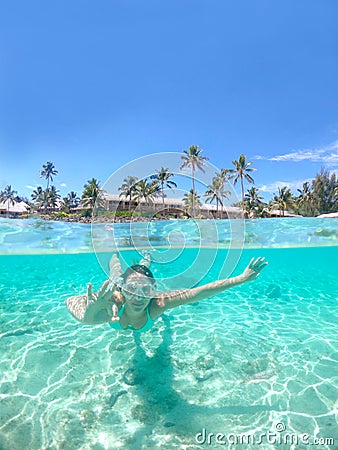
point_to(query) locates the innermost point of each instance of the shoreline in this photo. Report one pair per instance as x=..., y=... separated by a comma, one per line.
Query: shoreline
x=111, y=220
x=126, y=219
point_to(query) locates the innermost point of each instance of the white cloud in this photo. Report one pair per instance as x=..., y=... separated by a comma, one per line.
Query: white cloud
x=63, y=185
x=273, y=187
x=326, y=155
x=28, y=186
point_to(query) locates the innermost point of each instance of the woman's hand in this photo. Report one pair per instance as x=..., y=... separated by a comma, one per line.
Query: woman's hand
x=253, y=270
x=101, y=302
x=103, y=296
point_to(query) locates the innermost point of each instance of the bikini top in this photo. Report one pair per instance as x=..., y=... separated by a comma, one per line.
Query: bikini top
x=146, y=327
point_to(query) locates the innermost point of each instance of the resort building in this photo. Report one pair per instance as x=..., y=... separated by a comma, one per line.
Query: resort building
x=8, y=208
x=280, y=213
x=172, y=206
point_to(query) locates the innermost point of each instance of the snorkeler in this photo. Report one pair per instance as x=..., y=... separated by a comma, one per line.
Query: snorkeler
x=129, y=300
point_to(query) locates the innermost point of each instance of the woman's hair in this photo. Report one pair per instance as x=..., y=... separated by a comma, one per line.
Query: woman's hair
x=138, y=268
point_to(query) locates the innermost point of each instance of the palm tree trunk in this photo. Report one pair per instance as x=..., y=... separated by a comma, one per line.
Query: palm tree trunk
x=242, y=184
x=162, y=186
x=193, y=190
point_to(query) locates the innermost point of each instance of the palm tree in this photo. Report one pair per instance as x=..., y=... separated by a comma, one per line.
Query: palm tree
x=304, y=200
x=283, y=200
x=216, y=192
x=48, y=170
x=146, y=191
x=241, y=172
x=128, y=188
x=8, y=195
x=224, y=177
x=191, y=200
x=92, y=194
x=224, y=174
x=252, y=196
x=38, y=197
x=193, y=158
x=52, y=197
x=162, y=178
x=253, y=204
x=72, y=199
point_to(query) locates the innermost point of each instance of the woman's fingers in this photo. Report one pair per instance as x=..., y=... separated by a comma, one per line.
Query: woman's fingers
x=103, y=289
x=259, y=264
x=89, y=291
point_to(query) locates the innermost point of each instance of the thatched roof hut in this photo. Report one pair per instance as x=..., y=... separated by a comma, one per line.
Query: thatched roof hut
x=7, y=207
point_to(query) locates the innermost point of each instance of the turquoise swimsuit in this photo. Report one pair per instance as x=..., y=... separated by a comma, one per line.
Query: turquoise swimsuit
x=149, y=323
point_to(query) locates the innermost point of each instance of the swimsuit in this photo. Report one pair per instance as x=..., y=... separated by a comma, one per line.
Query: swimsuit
x=149, y=323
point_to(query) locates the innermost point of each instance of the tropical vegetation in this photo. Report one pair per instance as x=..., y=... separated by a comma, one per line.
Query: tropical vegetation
x=146, y=191
x=216, y=191
x=128, y=188
x=241, y=172
x=92, y=196
x=192, y=202
x=162, y=178
x=193, y=159
x=315, y=197
x=9, y=196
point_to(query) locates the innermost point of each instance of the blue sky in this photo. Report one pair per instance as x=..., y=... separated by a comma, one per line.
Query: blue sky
x=92, y=85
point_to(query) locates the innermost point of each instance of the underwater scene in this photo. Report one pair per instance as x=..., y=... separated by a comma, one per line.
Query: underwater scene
x=253, y=367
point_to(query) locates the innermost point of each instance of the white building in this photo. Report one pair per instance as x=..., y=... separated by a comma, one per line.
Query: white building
x=15, y=209
x=173, y=206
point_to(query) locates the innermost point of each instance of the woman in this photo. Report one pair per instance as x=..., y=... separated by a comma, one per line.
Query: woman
x=130, y=300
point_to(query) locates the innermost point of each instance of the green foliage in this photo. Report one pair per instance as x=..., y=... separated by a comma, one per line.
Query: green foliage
x=8, y=194
x=319, y=197
x=128, y=188
x=48, y=170
x=162, y=179
x=146, y=191
x=61, y=215
x=192, y=202
x=253, y=205
x=324, y=187
x=216, y=191
x=283, y=201
x=241, y=172
x=92, y=194
x=193, y=158
x=86, y=213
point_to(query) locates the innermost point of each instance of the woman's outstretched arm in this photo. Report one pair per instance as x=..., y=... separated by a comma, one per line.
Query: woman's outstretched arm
x=171, y=299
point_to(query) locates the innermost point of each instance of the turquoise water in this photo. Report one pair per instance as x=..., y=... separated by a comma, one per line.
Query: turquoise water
x=39, y=236
x=245, y=361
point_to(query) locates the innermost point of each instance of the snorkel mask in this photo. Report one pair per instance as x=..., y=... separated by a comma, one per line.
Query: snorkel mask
x=140, y=288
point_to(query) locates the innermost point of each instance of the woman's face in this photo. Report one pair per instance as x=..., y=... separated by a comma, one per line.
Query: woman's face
x=138, y=289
